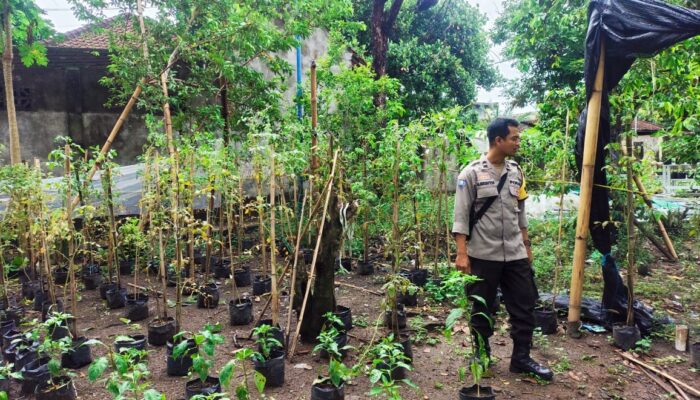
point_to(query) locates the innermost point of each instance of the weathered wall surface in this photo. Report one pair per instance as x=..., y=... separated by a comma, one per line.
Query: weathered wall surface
x=66, y=99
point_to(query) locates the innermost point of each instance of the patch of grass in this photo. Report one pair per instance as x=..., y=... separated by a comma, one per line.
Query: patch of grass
x=562, y=365
x=642, y=346
x=669, y=360
x=540, y=341
x=360, y=321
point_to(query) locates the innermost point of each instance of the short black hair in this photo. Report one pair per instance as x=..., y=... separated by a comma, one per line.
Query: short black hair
x=499, y=127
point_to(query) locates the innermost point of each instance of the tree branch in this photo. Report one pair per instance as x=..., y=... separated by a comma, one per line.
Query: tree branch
x=390, y=17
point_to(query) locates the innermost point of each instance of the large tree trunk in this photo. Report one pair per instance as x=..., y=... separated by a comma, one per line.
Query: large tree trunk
x=381, y=24
x=13, y=131
x=322, y=298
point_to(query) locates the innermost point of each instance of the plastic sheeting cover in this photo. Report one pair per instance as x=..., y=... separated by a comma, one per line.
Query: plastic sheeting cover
x=630, y=29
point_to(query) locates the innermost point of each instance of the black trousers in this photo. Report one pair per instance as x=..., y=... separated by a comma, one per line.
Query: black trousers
x=517, y=282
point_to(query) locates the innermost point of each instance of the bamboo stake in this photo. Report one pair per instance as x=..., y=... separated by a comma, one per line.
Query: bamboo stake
x=113, y=134
x=314, y=119
x=71, y=268
x=210, y=230
x=358, y=288
x=269, y=300
x=241, y=201
x=292, y=285
x=419, y=250
x=687, y=388
x=438, y=216
x=144, y=289
x=584, y=211
x=112, y=225
x=680, y=391
x=232, y=265
x=130, y=105
x=647, y=200
x=161, y=246
x=665, y=386
x=46, y=254
x=448, y=232
x=649, y=235
x=273, y=240
x=176, y=234
x=561, y=214
x=190, y=232
x=310, y=281
x=630, y=236
x=261, y=218
x=395, y=207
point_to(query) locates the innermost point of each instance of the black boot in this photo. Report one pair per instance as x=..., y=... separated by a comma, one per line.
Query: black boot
x=521, y=362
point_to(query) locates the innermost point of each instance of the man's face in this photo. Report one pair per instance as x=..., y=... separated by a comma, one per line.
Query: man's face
x=511, y=144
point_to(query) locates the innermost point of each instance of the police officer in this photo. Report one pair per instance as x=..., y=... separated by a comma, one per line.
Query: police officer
x=489, y=215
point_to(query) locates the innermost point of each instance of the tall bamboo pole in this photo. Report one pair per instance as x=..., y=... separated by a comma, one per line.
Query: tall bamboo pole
x=161, y=245
x=71, y=247
x=113, y=134
x=631, y=236
x=261, y=217
x=45, y=251
x=395, y=207
x=241, y=205
x=273, y=244
x=314, y=119
x=292, y=285
x=190, y=204
x=112, y=224
x=584, y=211
x=438, y=217
x=560, y=233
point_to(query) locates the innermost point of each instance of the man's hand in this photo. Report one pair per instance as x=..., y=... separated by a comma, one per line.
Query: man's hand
x=462, y=263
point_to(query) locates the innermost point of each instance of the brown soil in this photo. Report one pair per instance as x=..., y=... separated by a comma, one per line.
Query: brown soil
x=595, y=370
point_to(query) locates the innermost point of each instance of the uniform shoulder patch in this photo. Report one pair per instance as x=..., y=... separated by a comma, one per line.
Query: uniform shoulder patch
x=461, y=183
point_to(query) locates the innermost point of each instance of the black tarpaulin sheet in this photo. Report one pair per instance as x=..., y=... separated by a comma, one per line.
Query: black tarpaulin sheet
x=629, y=29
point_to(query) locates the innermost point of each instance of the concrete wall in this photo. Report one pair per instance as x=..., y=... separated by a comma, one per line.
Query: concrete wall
x=66, y=99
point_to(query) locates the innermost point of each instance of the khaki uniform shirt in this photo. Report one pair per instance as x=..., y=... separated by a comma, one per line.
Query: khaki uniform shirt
x=497, y=236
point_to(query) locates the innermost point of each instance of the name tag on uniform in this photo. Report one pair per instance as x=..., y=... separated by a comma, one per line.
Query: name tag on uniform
x=484, y=178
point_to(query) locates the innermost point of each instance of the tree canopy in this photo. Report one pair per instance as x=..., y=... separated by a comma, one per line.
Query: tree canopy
x=437, y=50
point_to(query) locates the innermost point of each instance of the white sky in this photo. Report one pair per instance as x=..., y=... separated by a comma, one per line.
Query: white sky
x=59, y=12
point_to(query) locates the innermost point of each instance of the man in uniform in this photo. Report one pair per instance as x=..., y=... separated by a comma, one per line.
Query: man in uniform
x=489, y=214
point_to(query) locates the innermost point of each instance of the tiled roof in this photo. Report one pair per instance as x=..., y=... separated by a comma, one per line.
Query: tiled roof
x=645, y=126
x=94, y=36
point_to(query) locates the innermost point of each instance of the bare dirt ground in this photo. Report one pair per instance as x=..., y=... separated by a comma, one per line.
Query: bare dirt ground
x=589, y=367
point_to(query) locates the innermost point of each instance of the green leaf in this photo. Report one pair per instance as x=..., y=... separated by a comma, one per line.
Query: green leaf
x=152, y=394
x=97, y=368
x=375, y=376
x=54, y=367
x=226, y=373
x=242, y=392
x=179, y=349
x=260, y=381
x=375, y=391
x=452, y=318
